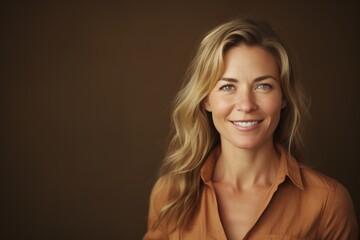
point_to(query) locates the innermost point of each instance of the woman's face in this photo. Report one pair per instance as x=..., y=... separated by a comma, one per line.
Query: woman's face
x=247, y=100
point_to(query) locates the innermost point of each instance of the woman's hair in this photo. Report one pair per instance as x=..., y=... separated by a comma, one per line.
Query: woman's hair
x=194, y=135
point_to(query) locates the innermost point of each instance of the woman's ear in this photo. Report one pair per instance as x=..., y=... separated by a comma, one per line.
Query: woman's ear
x=207, y=104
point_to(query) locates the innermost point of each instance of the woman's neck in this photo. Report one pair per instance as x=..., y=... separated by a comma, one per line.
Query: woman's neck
x=244, y=169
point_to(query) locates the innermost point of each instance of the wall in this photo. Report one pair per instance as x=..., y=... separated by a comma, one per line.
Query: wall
x=86, y=90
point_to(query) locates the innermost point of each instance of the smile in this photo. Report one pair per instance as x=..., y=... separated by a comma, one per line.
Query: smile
x=246, y=124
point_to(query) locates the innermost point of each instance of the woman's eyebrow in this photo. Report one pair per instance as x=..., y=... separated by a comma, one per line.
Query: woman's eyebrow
x=233, y=80
x=264, y=77
x=258, y=79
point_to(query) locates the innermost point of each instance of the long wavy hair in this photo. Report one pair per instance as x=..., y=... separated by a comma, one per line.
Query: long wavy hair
x=193, y=135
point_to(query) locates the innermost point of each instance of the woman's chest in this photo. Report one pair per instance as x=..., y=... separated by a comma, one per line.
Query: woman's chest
x=239, y=211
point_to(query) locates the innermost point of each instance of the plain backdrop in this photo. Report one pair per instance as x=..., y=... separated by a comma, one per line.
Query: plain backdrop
x=85, y=93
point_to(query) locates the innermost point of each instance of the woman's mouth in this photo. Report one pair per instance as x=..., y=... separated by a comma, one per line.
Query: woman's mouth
x=246, y=124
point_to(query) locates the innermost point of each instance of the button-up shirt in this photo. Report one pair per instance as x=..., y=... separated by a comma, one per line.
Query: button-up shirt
x=301, y=204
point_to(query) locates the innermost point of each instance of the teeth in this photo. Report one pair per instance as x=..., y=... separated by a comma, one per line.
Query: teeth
x=246, y=124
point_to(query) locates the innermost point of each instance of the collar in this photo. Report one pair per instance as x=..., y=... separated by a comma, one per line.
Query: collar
x=288, y=167
x=209, y=165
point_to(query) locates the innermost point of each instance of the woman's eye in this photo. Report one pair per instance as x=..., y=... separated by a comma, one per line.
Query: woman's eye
x=264, y=86
x=227, y=88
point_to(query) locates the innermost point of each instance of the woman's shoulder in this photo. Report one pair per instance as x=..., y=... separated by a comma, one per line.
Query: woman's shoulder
x=321, y=186
x=314, y=179
x=160, y=192
x=158, y=198
x=162, y=184
x=338, y=213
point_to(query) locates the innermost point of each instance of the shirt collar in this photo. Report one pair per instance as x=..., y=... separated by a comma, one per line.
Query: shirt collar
x=288, y=167
x=208, y=167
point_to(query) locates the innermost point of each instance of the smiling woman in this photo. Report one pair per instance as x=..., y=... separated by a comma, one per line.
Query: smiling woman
x=247, y=100
x=232, y=170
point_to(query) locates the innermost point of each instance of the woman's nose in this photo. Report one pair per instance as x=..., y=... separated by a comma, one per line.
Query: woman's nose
x=245, y=101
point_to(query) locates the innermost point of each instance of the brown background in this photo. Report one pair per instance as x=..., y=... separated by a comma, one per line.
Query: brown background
x=85, y=96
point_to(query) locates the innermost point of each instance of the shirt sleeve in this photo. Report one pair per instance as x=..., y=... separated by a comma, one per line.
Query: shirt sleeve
x=339, y=216
x=158, y=198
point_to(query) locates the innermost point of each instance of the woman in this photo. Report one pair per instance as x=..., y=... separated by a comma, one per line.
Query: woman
x=230, y=171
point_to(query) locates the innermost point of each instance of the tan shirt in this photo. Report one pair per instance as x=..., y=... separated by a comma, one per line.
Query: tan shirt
x=301, y=204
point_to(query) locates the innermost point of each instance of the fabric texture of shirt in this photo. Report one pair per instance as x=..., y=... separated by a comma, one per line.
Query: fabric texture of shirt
x=301, y=204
